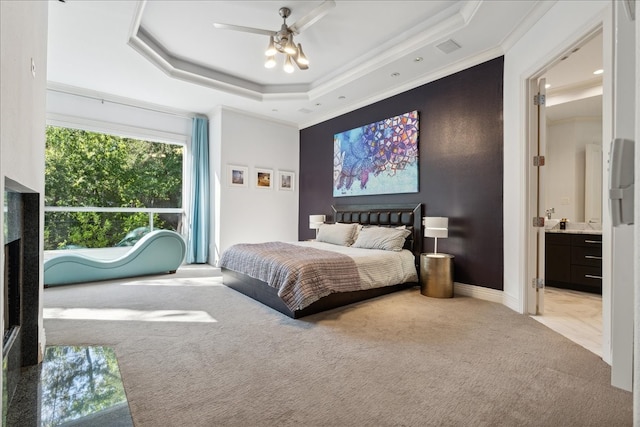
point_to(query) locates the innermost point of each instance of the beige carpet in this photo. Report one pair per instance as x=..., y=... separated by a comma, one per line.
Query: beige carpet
x=195, y=353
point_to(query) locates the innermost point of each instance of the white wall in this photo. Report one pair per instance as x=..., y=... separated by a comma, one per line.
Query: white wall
x=565, y=163
x=251, y=214
x=23, y=36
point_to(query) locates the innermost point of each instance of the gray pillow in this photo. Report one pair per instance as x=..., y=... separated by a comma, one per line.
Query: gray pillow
x=388, y=239
x=337, y=234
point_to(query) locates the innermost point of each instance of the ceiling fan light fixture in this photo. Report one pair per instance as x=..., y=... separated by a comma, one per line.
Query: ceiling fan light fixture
x=290, y=47
x=281, y=41
x=301, y=57
x=288, y=65
x=271, y=62
x=271, y=49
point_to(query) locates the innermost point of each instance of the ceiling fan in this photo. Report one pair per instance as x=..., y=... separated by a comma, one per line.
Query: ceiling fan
x=281, y=41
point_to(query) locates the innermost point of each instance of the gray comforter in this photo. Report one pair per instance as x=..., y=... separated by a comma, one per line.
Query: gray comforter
x=302, y=275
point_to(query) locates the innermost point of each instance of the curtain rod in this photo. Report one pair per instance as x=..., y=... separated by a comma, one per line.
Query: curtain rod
x=155, y=110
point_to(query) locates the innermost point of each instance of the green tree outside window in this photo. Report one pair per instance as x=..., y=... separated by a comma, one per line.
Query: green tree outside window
x=85, y=168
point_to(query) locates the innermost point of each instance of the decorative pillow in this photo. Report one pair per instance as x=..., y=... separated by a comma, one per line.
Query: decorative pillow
x=388, y=239
x=355, y=233
x=337, y=234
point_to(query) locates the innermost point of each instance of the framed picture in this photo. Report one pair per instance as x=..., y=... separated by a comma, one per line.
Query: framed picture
x=264, y=178
x=378, y=158
x=286, y=180
x=238, y=176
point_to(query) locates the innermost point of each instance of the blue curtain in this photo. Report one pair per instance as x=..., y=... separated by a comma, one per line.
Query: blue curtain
x=198, y=247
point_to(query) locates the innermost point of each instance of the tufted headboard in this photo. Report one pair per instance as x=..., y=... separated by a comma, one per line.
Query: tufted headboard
x=409, y=215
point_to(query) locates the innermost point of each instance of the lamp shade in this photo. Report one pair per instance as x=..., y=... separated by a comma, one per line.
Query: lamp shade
x=436, y=226
x=315, y=221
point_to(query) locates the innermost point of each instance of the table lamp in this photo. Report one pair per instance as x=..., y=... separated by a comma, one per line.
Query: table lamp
x=436, y=226
x=315, y=221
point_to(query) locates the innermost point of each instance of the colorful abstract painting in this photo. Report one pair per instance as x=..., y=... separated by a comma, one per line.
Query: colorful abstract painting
x=379, y=158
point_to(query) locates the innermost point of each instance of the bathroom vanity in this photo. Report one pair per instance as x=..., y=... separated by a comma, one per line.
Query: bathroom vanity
x=573, y=260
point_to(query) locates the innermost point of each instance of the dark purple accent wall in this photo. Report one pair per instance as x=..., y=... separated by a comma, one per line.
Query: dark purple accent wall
x=460, y=170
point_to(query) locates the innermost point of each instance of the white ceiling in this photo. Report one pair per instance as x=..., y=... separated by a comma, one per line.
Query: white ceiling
x=168, y=54
x=574, y=90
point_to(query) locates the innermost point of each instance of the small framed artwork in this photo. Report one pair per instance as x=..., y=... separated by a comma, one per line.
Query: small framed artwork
x=286, y=180
x=238, y=176
x=264, y=178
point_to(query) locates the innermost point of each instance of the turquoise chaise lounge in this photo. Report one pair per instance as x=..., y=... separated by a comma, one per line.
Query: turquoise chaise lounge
x=160, y=251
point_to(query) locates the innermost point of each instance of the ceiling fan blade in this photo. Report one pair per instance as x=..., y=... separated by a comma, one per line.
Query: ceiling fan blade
x=312, y=17
x=244, y=29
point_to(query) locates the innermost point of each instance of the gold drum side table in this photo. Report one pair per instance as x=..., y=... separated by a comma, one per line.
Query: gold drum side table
x=436, y=275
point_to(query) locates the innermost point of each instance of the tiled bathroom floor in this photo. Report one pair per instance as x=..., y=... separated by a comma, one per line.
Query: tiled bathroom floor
x=575, y=315
x=74, y=386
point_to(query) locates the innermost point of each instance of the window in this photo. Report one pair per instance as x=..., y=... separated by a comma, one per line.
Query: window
x=103, y=190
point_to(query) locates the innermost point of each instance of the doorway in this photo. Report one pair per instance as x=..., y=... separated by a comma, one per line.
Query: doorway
x=570, y=186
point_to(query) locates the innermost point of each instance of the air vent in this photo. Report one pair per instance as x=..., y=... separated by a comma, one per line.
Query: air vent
x=305, y=110
x=448, y=46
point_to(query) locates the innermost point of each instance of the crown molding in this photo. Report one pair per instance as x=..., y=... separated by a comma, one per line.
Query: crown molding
x=436, y=28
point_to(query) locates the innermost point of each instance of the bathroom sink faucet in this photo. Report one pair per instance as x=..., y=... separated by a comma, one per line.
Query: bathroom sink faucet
x=549, y=212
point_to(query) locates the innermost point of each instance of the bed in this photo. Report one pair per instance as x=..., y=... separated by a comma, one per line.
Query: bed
x=245, y=271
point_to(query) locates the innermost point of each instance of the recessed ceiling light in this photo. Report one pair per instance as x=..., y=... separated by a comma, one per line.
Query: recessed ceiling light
x=342, y=97
x=418, y=59
x=547, y=86
x=596, y=72
x=318, y=104
x=275, y=110
x=395, y=75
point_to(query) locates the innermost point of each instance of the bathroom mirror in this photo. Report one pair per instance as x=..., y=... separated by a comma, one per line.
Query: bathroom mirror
x=574, y=160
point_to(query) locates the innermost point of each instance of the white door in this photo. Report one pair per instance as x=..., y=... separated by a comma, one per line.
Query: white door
x=537, y=150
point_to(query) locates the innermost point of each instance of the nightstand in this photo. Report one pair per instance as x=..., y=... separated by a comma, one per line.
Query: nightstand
x=436, y=275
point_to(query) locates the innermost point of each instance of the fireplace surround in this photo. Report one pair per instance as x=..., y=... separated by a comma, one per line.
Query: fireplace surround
x=21, y=285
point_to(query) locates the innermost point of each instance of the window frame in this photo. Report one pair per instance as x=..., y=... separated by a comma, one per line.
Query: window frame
x=151, y=135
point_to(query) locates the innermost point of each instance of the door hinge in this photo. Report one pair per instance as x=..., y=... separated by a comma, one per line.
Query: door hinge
x=539, y=99
x=538, y=160
x=538, y=221
x=537, y=283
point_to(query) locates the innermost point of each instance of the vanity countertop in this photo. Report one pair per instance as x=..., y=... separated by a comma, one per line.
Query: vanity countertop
x=574, y=231
x=553, y=226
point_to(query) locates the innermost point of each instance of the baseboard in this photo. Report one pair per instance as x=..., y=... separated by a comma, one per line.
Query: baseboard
x=479, y=292
x=512, y=302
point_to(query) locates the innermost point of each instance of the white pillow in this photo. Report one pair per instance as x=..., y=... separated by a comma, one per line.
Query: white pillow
x=337, y=234
x=355, y=233
x=388, y=239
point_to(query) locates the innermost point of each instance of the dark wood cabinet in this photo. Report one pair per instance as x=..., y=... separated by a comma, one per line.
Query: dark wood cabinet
x=574, y=261
x=557, y=259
